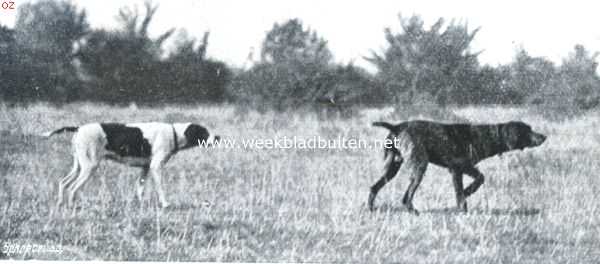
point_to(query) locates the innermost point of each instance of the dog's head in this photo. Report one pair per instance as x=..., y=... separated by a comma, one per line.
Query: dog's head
x=519, y=135
x=197, y=135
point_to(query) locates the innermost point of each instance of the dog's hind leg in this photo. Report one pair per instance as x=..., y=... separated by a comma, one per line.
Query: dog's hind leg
x=392, y=164
x=416, y=161
x=67, y=180
x=88, y=166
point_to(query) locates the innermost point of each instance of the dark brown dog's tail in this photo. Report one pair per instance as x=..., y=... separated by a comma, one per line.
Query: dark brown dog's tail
x=385, y=124
x=60, y=130
x=393, y=129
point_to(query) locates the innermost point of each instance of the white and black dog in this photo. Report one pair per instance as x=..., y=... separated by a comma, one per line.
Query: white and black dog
x=145, y=145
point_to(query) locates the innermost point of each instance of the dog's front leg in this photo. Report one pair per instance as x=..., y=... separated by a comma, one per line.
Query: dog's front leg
x=155, y=169
x=457, y=180
x=477, y=181
x=141, y=183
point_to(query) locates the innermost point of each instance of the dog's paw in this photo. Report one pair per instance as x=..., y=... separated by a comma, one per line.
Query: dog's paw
x=166, y=205
x=462, y=208
x=371, y=202
x=413, y=211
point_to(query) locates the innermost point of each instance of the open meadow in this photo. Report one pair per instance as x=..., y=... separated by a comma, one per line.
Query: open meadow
x=301, y=205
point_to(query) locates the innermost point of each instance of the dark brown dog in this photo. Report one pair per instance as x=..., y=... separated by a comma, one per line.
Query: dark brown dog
x=458, y=147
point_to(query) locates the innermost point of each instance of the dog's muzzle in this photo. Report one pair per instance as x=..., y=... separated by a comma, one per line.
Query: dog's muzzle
x=213, y=139
x=537, y=139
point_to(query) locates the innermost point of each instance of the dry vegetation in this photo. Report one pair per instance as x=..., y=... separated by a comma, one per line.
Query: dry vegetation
x=250, y=205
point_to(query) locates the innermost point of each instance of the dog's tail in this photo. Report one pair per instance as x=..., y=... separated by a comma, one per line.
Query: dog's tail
x=393, y=129
x=60, y=130
x=385, y=124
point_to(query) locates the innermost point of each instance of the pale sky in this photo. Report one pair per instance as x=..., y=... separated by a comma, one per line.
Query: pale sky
x=353, y=28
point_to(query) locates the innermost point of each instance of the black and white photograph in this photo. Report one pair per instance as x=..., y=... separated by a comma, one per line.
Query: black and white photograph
x=231, y=131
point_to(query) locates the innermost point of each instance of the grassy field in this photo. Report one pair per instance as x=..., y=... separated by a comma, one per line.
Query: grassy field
x=298, y=205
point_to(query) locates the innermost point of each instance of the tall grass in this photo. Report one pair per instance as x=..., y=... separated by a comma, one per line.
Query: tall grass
x=300, y=205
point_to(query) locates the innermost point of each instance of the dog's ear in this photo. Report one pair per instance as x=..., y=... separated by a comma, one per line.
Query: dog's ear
x=516, y=135
x=510, y=135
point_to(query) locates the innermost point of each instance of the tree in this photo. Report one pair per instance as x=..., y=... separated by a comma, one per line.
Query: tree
x=47, y=34
x=127, y=65
x=295, y=69
x=51, y=28
x=435, y=61
x=579, y=78
x=124, y=65
x=291, y=43
x=8, y=92
x=529, y=77
x=191, y=75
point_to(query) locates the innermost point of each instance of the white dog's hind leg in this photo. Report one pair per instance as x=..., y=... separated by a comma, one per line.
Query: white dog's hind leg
x=67, y=180
x=88, y=165
x=84, y=175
